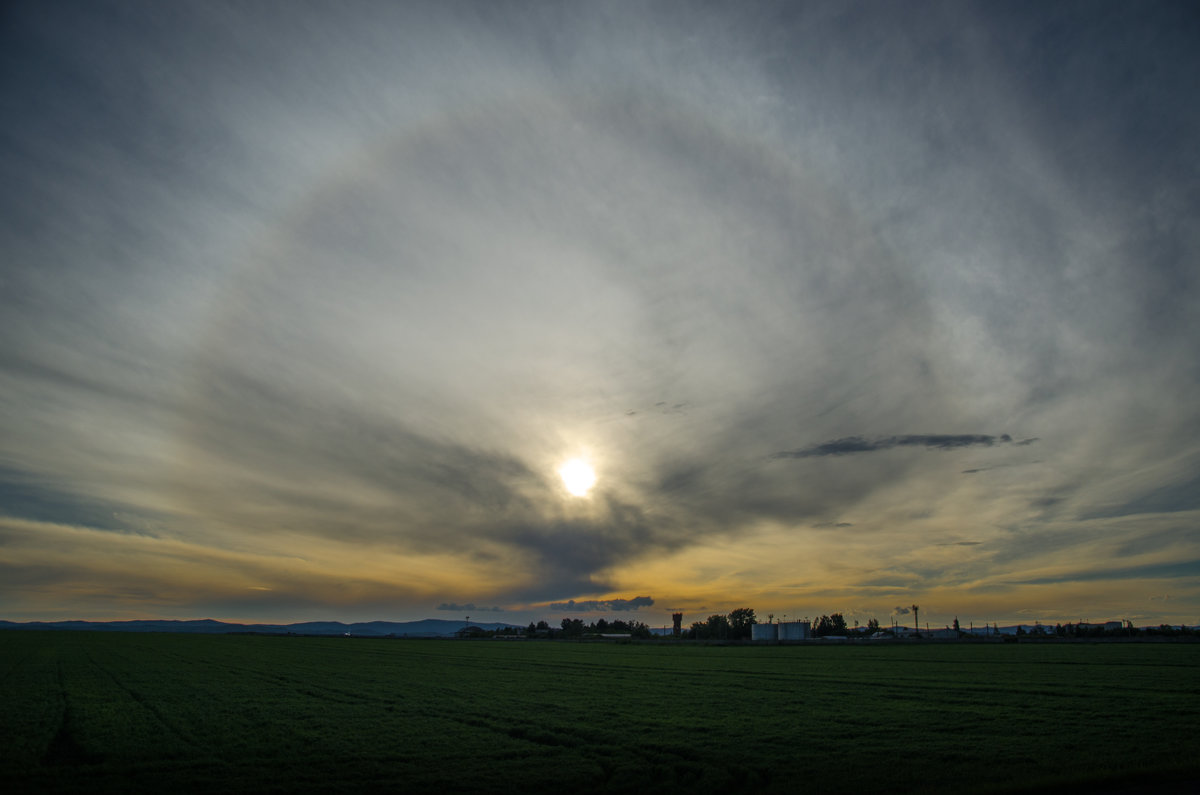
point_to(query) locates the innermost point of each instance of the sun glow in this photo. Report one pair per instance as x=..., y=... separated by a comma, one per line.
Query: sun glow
x=578, y=476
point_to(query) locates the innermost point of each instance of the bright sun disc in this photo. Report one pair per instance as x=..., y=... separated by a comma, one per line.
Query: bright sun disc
x=577, y=476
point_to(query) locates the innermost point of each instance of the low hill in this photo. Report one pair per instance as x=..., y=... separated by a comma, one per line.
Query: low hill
x=425, y=628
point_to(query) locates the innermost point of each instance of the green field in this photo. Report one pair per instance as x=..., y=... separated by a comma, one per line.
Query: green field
x=119, y=712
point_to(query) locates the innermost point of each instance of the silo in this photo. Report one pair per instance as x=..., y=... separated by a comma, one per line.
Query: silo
x=794, y=630
x=764, y=632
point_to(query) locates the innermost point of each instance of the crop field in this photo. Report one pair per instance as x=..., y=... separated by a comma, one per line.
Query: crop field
x=107, y=712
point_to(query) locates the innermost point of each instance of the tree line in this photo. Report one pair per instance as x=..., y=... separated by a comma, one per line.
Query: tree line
x=570, y=628
x=737, y=625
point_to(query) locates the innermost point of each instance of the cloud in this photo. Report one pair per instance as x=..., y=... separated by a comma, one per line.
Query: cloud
x=261, y=299
x=858, y=444
x=593, y=605
x=1174, y=497
x=468, y=608
x=1154, y=571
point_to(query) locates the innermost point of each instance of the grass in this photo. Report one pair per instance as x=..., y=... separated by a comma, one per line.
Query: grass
x=96, y=712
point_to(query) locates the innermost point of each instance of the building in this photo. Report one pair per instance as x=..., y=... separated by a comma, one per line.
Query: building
x=764, y=632
x=794, y=630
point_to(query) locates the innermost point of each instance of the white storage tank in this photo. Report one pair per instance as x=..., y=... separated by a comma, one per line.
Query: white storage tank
x=795, y=630
x=764, y=632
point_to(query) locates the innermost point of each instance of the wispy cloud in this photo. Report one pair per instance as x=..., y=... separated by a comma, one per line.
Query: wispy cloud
x=1152, y=571
x=857, y=444
x=600, y=605
x=469, y=607
x=318, y=303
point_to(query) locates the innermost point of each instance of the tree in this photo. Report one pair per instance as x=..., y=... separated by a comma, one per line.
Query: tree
x=917, y=619
x=873, y=625
x=716, y=627
x=829, y=625
x=740, y=621
x=822, y=627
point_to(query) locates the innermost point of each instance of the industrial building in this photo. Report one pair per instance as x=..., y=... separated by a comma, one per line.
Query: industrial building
x=784, y=630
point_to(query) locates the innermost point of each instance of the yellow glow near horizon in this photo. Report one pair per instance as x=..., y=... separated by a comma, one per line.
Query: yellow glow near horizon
x=578, y=476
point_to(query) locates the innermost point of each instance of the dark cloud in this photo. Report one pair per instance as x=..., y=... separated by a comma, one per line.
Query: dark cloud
x=593, y=605
x=24, y=495
x=858, y=444
x=1154, y=571
x=1170, y=498
x=468, y=608
x=568, y=556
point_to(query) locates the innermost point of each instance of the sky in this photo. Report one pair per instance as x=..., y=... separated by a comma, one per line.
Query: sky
x=848, y=307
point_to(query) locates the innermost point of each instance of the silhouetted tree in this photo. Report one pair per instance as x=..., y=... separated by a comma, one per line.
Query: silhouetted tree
x=716, y=627
x=917, y=619
x=639, y=630
x=740, y=621
x=829, y=625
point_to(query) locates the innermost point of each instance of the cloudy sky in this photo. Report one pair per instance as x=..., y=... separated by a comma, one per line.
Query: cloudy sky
x=848, y=307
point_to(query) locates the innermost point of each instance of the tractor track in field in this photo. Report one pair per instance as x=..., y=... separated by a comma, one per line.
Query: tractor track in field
x=9, y=670
x=145, y=703
x=305, y=687
x=64, y=748
x=594, y=746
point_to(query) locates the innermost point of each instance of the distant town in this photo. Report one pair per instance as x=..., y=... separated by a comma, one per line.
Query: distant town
x=743, y=625
x=738, y=626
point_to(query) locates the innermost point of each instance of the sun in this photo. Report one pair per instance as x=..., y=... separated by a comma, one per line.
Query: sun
x=578, y=476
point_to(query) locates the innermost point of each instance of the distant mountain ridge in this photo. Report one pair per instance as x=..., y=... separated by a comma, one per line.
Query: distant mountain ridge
x=425, y=628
